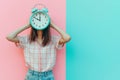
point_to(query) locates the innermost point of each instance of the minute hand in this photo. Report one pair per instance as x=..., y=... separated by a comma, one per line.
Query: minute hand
x=36, y=18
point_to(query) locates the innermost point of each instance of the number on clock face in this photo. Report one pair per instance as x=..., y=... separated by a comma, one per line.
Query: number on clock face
x=40, y=20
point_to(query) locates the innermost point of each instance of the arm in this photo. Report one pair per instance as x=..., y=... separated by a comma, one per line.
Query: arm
x=64, y=36
x=13, y=35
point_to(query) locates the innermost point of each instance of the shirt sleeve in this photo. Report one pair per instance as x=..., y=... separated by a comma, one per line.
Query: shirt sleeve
x=23, y=40
x=55, y=40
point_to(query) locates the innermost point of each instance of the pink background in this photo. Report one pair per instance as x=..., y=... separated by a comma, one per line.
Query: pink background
x=14, y=14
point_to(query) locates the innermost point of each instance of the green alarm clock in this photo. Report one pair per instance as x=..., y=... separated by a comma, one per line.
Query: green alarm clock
x=39, y=19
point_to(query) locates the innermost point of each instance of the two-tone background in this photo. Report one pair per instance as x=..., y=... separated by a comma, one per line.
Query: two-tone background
x=93, y=52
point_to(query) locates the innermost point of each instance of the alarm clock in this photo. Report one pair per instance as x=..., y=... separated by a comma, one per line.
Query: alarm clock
x=39, y=19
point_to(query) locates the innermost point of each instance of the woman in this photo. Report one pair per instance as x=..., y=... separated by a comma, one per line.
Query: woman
x=39, y=50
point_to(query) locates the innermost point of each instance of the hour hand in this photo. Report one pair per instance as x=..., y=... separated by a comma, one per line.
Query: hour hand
x=39, y=18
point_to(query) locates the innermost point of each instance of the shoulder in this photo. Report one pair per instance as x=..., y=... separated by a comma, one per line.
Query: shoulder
x=56, y=41
x=24, y=38
x=23, y=41
x=55, y=37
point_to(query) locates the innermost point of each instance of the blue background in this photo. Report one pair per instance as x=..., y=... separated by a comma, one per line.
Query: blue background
x=94, y=50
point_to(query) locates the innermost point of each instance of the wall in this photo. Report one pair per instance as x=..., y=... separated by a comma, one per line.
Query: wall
x=14, y=14
x=94, y=51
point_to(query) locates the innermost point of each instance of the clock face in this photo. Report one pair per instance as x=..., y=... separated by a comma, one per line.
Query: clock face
x=39, y=20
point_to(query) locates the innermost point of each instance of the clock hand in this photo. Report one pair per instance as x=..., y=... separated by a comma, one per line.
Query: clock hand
x=39, y=18
x=36, y=18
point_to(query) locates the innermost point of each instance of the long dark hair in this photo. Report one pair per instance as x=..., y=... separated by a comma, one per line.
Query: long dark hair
x=46, y=36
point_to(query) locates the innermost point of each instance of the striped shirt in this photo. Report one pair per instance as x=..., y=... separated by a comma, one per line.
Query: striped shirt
x=36, y=56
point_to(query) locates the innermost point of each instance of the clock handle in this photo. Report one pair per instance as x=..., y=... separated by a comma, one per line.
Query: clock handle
x=39, y=4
